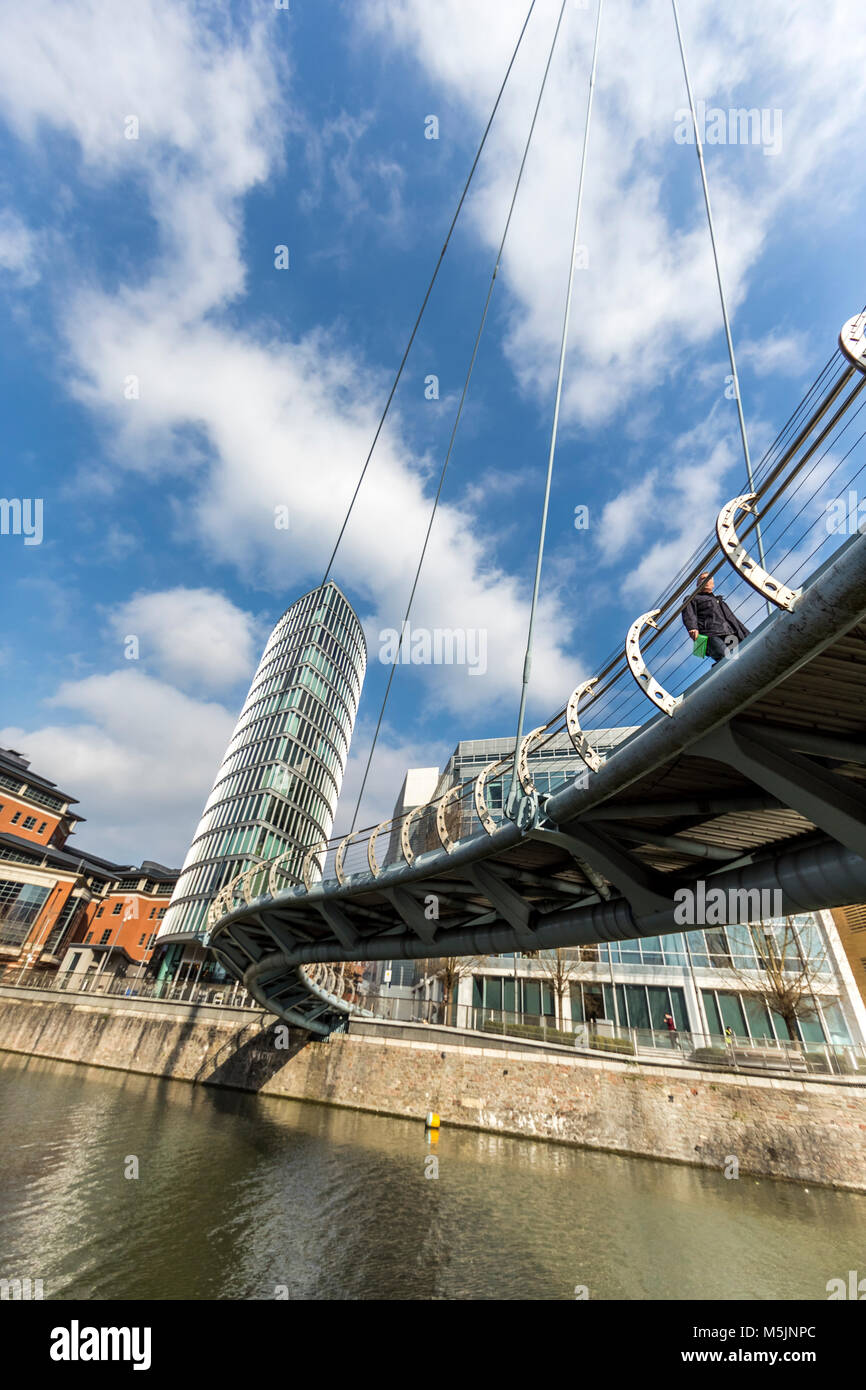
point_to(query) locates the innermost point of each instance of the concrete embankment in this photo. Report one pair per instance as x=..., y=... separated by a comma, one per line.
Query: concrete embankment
x=809, y=1130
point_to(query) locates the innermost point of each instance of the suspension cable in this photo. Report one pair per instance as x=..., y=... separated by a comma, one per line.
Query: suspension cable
x=736, y=380
x=459, y=413
x=527, y=661
x=433, y=278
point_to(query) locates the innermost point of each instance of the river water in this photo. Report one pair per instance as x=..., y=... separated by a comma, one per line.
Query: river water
x=246, y=1197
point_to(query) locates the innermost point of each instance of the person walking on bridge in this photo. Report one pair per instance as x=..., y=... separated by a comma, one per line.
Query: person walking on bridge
x=706, y=614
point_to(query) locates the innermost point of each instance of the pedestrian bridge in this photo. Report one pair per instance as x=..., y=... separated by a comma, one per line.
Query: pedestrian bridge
x=748, y=780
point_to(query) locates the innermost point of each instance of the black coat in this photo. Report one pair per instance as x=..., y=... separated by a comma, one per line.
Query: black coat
x=709, y=614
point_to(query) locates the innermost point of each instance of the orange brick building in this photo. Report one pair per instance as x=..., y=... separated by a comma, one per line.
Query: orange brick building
x=54, y=896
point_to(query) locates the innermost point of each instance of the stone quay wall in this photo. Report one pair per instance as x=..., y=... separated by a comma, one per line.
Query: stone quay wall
x=807, y=1130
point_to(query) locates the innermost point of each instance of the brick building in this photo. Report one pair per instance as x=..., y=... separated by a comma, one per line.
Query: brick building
x=54, y=896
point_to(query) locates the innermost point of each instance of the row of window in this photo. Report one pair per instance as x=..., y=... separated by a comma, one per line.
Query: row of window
x=229, y=856
x=346, y=677
x=338, y=614
x=244, y=839
x=106, y=937
x=132, y=885
x=276, y=756
x=335, y=613
x=28, y=822
x=268, y=678
x=722, y=948
x=332, y=647
x=331, y=667
x=54, y=803
x=118, y=908
x=307, y=704
x=742, y=1015
x=271, y=809
x=276, y=775
x=289, y=722
x=14, y=784
x=303, y=675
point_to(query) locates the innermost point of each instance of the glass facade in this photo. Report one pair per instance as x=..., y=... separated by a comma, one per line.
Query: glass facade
x=277, y=788
x=710, y=980
x=20, y=905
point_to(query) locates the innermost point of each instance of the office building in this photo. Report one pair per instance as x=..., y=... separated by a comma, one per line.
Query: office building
x=276, y=790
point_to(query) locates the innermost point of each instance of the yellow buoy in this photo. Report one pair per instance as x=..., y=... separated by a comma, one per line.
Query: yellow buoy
x=432, y=1121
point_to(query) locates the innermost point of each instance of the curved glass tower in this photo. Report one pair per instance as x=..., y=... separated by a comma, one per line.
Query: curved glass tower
x=277, y=788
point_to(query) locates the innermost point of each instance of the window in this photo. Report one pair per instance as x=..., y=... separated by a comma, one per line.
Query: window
x=41, y=830
x=105, y=935
x=757, y=1016
x=16, y=818
x=141, y=938
x=836, y=1024
x=732, y=1014
x=162, y=912
x=88, y=937
x=717, y=948
x=638, y=1008
x=100, y=910
x=152, y=911
x=116, y=910
x=28, y=822
x=20, y=905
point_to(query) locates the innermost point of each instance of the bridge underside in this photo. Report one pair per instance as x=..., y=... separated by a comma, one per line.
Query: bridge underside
x=757, y=782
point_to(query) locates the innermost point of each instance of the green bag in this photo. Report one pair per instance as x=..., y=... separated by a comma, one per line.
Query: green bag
x=700, y=647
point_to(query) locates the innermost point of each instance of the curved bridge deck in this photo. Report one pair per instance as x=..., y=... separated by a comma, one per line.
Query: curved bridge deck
x=754, y=783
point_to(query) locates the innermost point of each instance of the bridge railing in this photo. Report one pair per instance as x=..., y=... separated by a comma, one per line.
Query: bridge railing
x=806, y=501
x=229, y=993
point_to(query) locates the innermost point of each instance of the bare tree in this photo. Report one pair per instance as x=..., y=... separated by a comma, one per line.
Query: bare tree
x=785, y=975
x=561, y=967
x=449, y=971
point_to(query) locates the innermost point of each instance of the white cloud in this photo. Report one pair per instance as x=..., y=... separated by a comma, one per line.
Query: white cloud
x=784, y=354
x=18, y=249
x=664, y=516
x=647, y=306
x=276, y=422
x=140, y=760
x=288, y=420
x=194, y=638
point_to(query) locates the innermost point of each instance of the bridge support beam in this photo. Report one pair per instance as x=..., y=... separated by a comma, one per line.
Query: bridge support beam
x=643, y=888
x=339, y=924
x=510, y=905
x=412, y=913
x=831, y=802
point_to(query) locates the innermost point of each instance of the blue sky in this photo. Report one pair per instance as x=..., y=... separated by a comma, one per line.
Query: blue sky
x=153, y=258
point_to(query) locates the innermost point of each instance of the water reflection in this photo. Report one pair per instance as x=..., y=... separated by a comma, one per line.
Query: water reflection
x=239, y=1194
